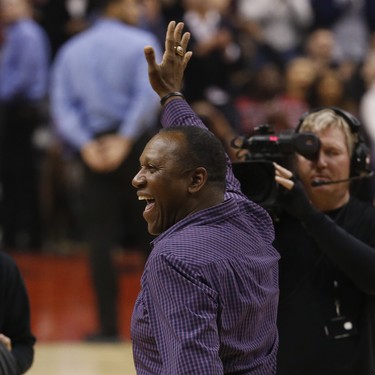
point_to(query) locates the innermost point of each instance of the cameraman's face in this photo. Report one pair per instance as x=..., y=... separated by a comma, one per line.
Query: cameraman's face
x=332, y=164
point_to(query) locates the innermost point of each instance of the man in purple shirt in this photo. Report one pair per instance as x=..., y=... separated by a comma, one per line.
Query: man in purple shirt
x=209, y=292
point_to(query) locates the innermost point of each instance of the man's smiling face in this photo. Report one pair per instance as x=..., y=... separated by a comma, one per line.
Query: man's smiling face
x=163, y=182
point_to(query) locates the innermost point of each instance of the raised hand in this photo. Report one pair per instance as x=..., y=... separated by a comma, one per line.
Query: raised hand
x=167, y=76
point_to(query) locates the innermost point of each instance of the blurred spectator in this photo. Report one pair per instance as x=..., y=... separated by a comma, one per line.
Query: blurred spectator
x=15, y=331
x=172, y=10
x=24, y=69
x=219, y=125
x=255, y=104
x=300, y=74
x=61, y=180
x=371, y=45
x=153, y=19
x=279, y=27
x=352, y=35
x=370, y=15
x=319, y=48
x=63, y=19
x=104, y=108
x=367, y=104
x=347, y=20
x=216, y=55
x=225, y=7
x=275, y=102
x=328, y=90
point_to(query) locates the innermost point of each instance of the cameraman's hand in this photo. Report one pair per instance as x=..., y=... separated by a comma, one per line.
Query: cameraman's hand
x=283, y=176
x=292, y=196
x=167, y=77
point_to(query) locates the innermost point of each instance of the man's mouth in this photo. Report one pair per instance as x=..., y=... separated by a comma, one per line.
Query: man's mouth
x=149, y=200
x=319, y=179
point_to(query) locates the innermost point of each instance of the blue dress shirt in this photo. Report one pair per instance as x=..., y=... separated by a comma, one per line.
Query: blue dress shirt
x=100, y=83
x=24, y=62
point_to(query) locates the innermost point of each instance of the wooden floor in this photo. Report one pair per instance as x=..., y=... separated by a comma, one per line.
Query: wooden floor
x=82, y=359
x=63, y=312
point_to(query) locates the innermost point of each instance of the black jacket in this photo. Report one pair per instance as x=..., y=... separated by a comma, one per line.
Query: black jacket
x=15, y=313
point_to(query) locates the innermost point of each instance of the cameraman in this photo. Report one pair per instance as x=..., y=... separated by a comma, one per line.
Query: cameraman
x=326, y=240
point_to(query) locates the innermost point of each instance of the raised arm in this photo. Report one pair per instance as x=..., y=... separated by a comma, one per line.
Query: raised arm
x=166, y=79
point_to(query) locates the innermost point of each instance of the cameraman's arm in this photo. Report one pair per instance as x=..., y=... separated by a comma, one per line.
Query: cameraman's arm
x=355, y=258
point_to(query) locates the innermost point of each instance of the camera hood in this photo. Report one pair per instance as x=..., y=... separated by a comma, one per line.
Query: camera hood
x=257, y=179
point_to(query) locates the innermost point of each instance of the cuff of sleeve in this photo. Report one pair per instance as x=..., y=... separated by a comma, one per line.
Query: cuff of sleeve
x=177, y=113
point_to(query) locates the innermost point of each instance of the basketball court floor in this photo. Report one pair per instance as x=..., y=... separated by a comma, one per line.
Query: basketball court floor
x=63, y=312
x=64, y=358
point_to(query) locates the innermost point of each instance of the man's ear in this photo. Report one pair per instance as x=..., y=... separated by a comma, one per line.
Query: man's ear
x=198, y=179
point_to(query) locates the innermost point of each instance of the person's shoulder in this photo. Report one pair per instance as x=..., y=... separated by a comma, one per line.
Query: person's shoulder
x=362, y=213
x=10, y=273
x=30, y=28
x=115, y=33
x=360, y=220
x=361, y=205
x=209, y=241
x=74, y=46
x=7, y=262
x=258, y=218
x=191, y=243
x=140, y=35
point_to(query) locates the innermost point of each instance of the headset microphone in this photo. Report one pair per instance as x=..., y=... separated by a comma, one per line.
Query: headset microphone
x=316, y=183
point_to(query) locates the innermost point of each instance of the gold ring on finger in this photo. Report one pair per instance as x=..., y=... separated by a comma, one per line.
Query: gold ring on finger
x=179, y=51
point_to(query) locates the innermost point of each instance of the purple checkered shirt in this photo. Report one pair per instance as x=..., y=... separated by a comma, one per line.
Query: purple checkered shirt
x=209, y=291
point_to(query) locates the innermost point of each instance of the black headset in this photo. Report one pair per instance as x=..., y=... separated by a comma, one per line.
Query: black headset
x=361, y=151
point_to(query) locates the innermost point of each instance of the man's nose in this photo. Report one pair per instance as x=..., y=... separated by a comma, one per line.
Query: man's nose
x=322, y=159
x=139, y=180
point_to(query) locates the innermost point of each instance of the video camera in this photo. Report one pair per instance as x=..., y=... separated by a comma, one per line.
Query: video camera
x=257, y=173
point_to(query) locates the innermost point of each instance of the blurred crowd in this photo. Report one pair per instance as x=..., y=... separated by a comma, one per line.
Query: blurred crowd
x=254, y=62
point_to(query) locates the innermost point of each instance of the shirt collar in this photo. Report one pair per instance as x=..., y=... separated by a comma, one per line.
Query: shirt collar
x=206, y=216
